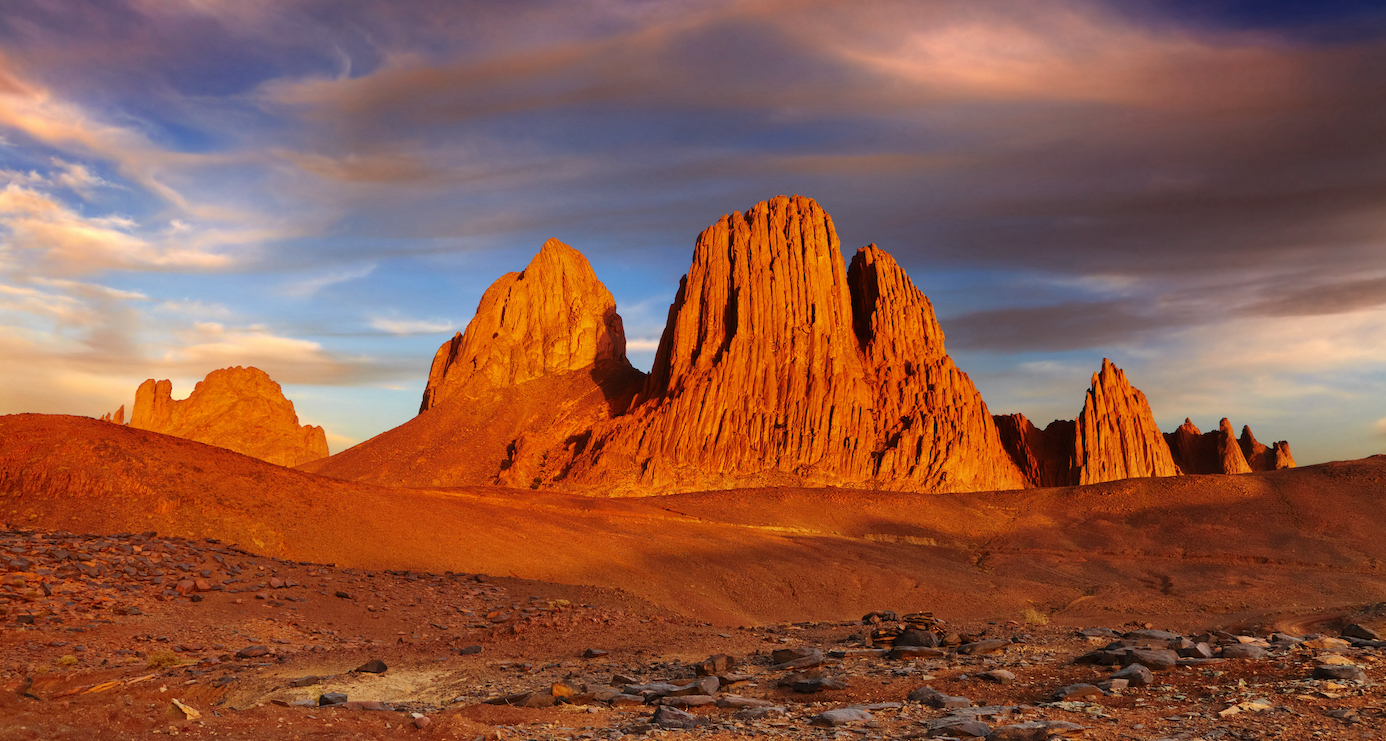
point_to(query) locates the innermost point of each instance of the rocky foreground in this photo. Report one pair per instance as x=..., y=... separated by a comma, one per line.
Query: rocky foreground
x=124, y=636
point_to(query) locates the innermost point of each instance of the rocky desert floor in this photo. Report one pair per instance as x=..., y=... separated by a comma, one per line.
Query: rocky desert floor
x=136, y=635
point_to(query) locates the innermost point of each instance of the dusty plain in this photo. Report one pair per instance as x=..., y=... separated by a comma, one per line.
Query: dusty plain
x=660, y=584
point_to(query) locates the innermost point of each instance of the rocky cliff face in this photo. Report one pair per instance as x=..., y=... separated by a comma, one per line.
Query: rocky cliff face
x=780, y=365
x=1114, y=437
x=1117, y=437
x=118, y=416
x=553, y=317
x=514, y=398
x=241, y=409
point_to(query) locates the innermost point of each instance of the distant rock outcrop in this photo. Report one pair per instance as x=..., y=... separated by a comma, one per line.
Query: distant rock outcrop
x=1220, y=452
x=118, y=416
x=1117, y=437
x=1262, y=458
x=241, y=409
x=1114, y=437
x=553, y=317
x=781, y=365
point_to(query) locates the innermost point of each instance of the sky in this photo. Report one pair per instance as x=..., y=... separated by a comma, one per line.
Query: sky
x=1195, y=189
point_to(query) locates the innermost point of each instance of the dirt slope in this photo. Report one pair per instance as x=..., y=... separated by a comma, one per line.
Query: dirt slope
x=1203, y=547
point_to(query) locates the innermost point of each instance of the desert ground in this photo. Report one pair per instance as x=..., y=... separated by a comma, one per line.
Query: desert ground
x=142, y=568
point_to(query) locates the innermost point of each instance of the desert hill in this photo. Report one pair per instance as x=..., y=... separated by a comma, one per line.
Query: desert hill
x=240, y=409
x=1202, y=547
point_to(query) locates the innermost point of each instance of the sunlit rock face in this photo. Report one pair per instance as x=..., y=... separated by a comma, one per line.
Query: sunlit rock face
x=241, y=409
x=782, y=364
x=553, y=317
x=1114, y=437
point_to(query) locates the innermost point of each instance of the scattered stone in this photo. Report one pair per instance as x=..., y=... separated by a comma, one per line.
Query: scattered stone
x=1037, y=730
x=1243, y=651
x=1136, y=675
x=367, y=705
x=374, y=666
x=923, y=638
x=958, y=727
x=840, y=717
x=1075, y=692
x=593, y=653
x=468, y=651
x=713, y=666
x=998, y=676
x=422, y=721
x=688, y=701
x=307, y=681
x=796, y=658
x=817, y=684
x=902, y=653
x=250, y=652
x=1341, y=673
x=332, y=698
x=935, y=699
x=1153, y=659
x=989, y=646
x=188, y=712
x=673, y=718
x=759, y=713
x=1114, y=685
x=1360, y=631
x=704, y=686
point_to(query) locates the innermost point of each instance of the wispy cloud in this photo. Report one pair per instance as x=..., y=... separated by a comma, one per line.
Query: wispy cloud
x=410, y=326
x=309, y=287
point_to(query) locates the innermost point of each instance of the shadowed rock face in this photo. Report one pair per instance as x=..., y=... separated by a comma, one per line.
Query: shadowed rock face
x=553, y=317
x=241, y=409
x=1220, y=452
x=779, y=364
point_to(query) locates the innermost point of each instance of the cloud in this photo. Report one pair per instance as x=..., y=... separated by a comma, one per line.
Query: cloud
x=35, y=225
x=309, y=287
x=1071, y=325
x=410, y=326
x=1332, y=298
x=1380, y=427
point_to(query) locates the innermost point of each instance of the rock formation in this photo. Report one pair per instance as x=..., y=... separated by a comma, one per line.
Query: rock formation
x=1117, y=437
x=118, y=416
x=1262, y=458
x=553, y=317
x=241, y=409
x=1045, y=457
x=780, y=365
x=1114, y=437
x=514, y=398
x=1220, y=452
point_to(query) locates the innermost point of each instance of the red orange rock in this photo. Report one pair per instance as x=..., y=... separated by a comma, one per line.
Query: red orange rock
x=1117, y=437
x=779, y=365
x=241, y=409
x=553, y=317
x=118, y=416
x=1262, y=458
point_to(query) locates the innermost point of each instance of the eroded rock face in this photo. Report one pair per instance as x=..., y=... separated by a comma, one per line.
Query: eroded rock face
x=241, y=409
x=1116, y=435
x=553, y=317
x=780, y=365
x=118, y=416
